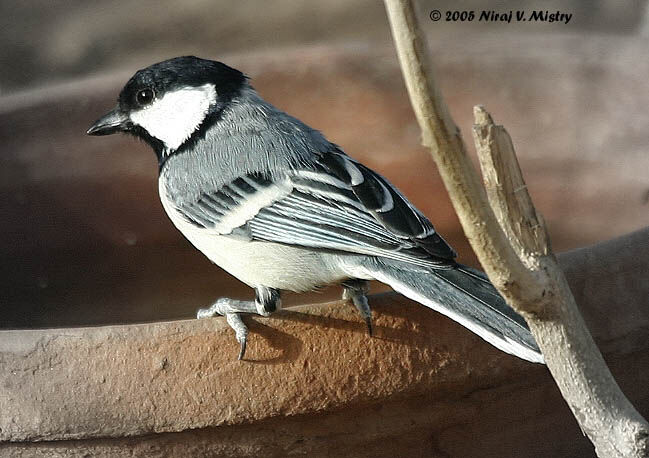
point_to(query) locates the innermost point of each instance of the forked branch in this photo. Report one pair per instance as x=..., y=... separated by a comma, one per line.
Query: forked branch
x=511, y=242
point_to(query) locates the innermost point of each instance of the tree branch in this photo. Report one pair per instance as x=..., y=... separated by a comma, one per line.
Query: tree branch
x=512, y=246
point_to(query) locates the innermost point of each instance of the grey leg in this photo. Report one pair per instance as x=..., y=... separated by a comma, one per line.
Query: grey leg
x=267, y=300
x=356, y=291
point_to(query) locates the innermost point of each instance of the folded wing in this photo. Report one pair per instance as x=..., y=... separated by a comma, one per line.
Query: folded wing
x=332, y=204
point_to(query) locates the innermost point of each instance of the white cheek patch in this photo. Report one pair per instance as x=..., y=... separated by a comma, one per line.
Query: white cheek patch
x=173, y=118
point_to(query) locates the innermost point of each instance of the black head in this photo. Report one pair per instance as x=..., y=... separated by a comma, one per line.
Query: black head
x=177, y=73
x=165, y=103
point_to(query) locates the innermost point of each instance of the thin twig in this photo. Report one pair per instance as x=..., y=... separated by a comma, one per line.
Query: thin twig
x=512, y=246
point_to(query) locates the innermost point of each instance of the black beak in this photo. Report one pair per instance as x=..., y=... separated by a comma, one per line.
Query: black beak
x=113, y=121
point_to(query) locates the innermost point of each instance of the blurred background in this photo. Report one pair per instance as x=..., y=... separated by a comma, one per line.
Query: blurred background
x=83, y=238
x=44, y=41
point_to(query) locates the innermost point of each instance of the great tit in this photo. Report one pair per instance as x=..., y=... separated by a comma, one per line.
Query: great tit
x=274, y=203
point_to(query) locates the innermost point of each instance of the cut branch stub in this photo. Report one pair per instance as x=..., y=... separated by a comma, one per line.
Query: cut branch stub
x=507, y=191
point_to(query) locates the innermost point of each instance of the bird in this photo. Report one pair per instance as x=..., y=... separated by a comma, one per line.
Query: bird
x=274, y=203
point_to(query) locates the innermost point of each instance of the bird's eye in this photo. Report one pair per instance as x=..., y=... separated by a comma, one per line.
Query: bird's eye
x=144, y=96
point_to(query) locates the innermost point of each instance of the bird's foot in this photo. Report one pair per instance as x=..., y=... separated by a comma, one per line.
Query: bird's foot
x=356, y=291
x=267, y=301
x=231, y=309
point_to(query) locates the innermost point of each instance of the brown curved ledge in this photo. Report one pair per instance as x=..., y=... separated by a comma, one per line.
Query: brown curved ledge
x=166, y=377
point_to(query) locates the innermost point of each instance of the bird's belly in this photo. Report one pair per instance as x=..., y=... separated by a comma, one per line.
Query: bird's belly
x=268, y=264
x=258, y=263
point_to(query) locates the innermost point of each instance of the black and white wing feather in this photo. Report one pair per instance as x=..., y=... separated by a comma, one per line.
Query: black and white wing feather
x=387, y=205
x=333, y=204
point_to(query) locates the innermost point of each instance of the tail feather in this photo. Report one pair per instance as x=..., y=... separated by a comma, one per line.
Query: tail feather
x=466, y=296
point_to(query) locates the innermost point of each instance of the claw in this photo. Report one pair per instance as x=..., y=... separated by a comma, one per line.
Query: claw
x=242, y=351
x=240, y=331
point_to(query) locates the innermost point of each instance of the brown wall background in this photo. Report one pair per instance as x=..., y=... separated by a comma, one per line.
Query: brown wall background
x=44, y=41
